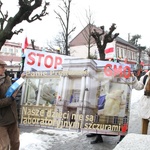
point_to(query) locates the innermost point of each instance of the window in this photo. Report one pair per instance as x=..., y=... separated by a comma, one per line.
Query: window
x=10, y=50
x=121, y=55
x=131, y=55
x=117, y=51
x=4, y=49
x=75, y=96
x=16, y=50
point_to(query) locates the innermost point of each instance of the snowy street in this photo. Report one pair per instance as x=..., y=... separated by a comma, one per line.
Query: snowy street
x=45, y=139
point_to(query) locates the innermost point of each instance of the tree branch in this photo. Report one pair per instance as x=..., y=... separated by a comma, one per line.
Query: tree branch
x=4, y=17
x=61, y=20
x=108, y=37
x=26, y=8
x=72, y=30
x=17, y=32
x=42, y=14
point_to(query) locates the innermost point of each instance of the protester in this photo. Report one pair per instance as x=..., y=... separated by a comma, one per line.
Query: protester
x=9, y=132
x=144, y=102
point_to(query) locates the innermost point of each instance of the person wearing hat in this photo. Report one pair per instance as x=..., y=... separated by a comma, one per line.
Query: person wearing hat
x=9, y=133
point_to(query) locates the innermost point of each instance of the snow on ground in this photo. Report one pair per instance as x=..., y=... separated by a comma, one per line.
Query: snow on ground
x=44, y=139
x=134, y=141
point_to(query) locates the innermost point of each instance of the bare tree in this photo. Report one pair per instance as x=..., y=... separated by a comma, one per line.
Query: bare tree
x=26, y=8
x=88, y=31
x=65, y=23
x=138, y=66
x=103, y=38
x=134, y=39
x=148, y=54
x=59, y=41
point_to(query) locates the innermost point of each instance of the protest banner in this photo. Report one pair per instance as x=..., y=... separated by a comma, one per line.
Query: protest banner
x=62, y=92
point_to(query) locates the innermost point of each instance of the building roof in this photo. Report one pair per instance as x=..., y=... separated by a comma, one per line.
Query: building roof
x=19, y=45
x=83, y=36
x=80, y=39
x=122, y=41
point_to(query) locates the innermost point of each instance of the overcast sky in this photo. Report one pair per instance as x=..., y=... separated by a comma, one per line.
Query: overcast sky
x=130, y=16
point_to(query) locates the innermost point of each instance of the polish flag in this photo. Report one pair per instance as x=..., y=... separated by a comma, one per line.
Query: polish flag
x=109, y=50
x=109, y=53
x=25, y=44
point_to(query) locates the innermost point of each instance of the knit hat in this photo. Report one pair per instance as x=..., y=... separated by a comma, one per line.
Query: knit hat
x=2, y=62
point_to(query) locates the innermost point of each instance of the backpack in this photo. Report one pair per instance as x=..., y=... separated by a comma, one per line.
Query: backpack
x=147, y=87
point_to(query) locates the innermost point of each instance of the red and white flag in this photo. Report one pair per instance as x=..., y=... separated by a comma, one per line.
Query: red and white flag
x=109, y=50
x=109, y=53
x=25, y=45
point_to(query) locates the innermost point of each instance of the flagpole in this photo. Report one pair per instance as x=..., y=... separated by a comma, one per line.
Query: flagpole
x=24, y=46
x=23, y=59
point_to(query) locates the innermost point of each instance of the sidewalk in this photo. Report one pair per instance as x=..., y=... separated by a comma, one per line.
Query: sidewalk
x=80, y=143
x=83, y=143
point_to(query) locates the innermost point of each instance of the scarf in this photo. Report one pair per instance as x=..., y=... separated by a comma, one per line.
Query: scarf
x=2, y=79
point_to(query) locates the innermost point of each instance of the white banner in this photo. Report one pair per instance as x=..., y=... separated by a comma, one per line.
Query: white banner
x=40, y=61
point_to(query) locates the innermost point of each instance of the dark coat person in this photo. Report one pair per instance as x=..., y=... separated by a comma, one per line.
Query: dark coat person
x=9, y=133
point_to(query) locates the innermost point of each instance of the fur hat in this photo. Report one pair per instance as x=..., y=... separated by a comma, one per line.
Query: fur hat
x=2, y=62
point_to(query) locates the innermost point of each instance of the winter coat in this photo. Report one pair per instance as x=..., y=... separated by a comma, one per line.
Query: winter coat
x=8, y=109
x=144, y=101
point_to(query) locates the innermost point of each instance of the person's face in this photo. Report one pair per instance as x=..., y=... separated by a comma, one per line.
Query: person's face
x=2, y=69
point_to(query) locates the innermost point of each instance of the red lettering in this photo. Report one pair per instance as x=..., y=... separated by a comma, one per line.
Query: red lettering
x=58, y=61
x=127, y=72
x=108, y=70
x=117, y=70
x=46, y=61
x=39, y=60
x=31, y=58
x=124, y=72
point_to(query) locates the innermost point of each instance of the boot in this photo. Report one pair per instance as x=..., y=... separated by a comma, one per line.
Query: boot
x=98, y=139
x=91, y=134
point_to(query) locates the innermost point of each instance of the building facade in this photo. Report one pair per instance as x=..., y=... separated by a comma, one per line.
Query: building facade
x=11, y=53
x=122, y=50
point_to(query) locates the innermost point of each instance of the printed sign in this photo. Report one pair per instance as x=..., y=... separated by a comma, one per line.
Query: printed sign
x=83, y=95
x=39, y=61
